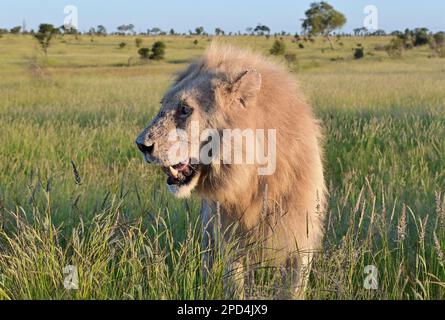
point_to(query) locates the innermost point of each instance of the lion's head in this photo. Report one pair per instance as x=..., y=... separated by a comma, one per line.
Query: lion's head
x=206, y=96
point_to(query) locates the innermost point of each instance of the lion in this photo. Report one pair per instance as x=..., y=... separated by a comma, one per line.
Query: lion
x=233, y=88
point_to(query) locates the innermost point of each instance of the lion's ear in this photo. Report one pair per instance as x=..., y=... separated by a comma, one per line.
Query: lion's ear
x=247, y=87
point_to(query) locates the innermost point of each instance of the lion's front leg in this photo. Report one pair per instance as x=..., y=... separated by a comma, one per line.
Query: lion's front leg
x=208, y=241
x=234, y=284
x=215, y=241
x=295, y=276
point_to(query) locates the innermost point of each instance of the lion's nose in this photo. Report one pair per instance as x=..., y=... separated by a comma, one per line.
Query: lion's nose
x=146, y=148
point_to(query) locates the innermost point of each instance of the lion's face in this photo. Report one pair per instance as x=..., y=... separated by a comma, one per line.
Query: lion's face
x=196, y=103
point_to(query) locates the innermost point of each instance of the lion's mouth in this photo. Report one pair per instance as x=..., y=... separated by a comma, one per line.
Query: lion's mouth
x=181, y=174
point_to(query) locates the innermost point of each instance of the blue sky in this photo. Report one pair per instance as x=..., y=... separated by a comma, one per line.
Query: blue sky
x=230, y=15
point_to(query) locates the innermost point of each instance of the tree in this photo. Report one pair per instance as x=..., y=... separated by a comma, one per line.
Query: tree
x=16, y=30
x=379, y=33
x=172, y=32
x=123, y=29
x=322, y=19
x=101, y=30
x=199, y=31
x=158, y=51
x=138, y=42
x=360, y=31
x=219, y=32
x=156, y=31
x=44, y=35
x=130, y=28
x=261, y=29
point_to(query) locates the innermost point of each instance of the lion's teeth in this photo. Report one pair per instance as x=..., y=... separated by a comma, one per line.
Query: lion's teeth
x=174, y=172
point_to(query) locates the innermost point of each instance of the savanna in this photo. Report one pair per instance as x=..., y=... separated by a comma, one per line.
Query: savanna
x=76, y=193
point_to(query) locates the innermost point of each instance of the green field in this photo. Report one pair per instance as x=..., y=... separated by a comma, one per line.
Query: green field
x=112, y=217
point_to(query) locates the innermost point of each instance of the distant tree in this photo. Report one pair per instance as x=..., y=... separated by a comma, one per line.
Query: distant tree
x=44, y=35
x=158, y=51
x=126, y=28
x=322, y=19
x=155, y=31
x=3, y=31
x=379, y=33
x=16, y=30
x=130, y=28
x=172, y=32
x=92, y=31
x=249, y=30
x=199, y=31
x=396, y=33
x=138, y=42
x=360, y=31
x=219, y=32
x=278, y=48
x=261, y=29
x=101, y=30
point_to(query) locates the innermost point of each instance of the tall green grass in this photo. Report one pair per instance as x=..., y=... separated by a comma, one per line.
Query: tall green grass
x=75, y=191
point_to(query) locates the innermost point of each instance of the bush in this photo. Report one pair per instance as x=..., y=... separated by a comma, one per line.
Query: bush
x=158, y=51
x=395, y=48
x=144, y=53
x=195, y=42
x=437, y=44
x=138, y=42
x=421, y=37
x=338, y=58
x=122, y=45
x=301, y=46
x=439, y=39
x=290, y=57
x=278, y=48
x=359, y=53
x=380, y=47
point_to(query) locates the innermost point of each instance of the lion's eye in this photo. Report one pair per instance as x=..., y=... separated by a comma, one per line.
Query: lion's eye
x=185, y=110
